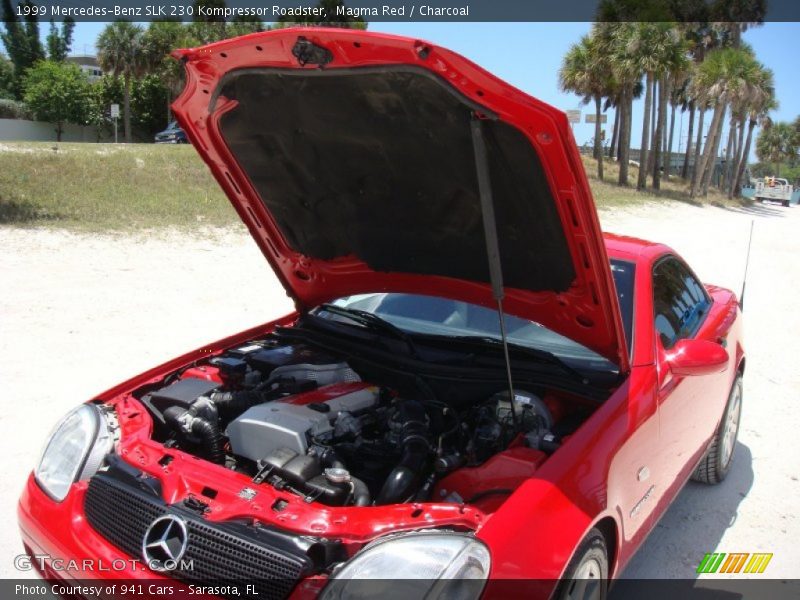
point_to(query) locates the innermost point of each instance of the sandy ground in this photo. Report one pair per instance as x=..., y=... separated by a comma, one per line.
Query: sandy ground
x=80, y=313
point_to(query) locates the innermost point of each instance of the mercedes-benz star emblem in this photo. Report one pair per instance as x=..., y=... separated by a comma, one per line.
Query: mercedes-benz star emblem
x=165, y=542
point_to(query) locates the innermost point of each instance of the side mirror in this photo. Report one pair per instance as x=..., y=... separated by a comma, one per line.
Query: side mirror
x=697, y=357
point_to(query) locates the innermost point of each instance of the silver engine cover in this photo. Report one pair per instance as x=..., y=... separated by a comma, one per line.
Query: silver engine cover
x=279, y=424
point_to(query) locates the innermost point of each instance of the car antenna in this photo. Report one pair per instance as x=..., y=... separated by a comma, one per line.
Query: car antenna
x=746, y=264
x=492, y=245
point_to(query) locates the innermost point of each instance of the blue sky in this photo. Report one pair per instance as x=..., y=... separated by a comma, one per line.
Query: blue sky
x=528, y=55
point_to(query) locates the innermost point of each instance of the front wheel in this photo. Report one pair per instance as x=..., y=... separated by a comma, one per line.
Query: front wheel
x=586, y=577
x=717, y=462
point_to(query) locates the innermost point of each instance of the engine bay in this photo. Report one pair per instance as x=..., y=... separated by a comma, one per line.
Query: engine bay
x=339, y=431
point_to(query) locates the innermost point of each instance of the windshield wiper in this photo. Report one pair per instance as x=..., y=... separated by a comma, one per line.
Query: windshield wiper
x=373, y=322
x=541, y=356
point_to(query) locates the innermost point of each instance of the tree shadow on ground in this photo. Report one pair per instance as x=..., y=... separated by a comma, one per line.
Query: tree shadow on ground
x=756, y=210
x=678, y=196
x=13, y=212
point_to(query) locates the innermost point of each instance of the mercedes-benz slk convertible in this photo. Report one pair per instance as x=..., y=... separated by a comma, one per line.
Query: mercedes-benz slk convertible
x=477, y=387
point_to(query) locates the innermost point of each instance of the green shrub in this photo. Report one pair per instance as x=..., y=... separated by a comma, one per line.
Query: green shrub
x=11, y=109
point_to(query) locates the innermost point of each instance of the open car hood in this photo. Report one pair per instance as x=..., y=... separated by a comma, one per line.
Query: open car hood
x=349, y=156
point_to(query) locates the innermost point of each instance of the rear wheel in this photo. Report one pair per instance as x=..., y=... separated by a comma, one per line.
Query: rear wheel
x=717, y=462
x=786, y=203
x=586, y=577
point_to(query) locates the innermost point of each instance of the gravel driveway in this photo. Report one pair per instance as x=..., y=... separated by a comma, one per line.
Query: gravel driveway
x=80, y=313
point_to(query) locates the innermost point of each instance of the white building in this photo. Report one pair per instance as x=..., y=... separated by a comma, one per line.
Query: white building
x=88, y=64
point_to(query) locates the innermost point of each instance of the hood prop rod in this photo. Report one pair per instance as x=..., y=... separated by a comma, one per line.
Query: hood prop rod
x=492, y=245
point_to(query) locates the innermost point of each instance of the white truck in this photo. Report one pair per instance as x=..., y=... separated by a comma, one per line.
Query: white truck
x=774, y=189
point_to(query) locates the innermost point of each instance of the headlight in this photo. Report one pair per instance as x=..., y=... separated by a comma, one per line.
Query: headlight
x=417, y=565
x=75, y=450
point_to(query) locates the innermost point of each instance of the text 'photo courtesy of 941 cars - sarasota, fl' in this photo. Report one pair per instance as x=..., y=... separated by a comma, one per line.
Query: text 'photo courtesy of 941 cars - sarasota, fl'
x=477, y=386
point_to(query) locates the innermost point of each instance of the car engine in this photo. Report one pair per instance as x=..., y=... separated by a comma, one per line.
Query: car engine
x=303, y=420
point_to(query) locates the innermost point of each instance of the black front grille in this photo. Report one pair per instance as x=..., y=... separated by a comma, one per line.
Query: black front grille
x=122, y=517
x=219, y=552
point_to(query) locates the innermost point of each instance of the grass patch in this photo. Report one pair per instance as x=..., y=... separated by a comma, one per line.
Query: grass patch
x=118, y=187
x=108, y=187
x=607, y=194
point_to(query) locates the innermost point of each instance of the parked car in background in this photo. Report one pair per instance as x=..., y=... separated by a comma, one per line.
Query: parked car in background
x=390, y=427
x=173, y=134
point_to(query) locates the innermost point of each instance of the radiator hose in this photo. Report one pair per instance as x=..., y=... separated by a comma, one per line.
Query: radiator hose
x=404, y=479
x=361, y=495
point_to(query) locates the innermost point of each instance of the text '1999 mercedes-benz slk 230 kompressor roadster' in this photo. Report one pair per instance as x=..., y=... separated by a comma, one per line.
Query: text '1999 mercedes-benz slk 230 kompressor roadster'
x=478, y=392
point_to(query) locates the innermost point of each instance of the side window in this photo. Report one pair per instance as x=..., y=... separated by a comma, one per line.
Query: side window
x=680, y=301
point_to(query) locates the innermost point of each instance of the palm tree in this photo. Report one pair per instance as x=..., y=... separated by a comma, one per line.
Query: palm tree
x=673, y=56
x=757, y=114
x=614, y=100
x=697, y=48
x=739, y=108
x=702, y=38
x=679, y=98
x=720, y=76
x=585, y=72
x=658, y=51
x=736, y=103
x=739, y=104
x=777, y=144
x=704, y=103
x=691, y=106
x=744, y=89
x=741, y=96
x=120, y=52
x=614, y=40
x=644, y=51
x=751, y=108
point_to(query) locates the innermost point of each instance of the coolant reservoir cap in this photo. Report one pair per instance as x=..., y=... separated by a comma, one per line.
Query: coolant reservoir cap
x=337, y=475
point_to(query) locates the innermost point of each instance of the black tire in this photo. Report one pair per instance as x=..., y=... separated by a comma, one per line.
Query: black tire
x=586, y=577
x=718, y=460
x=786, y=203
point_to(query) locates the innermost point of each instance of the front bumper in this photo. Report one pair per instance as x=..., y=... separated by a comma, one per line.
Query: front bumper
x=63, y=546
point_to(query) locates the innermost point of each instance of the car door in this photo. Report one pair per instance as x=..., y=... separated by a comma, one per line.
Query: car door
x=632, y=486
x=688, y=407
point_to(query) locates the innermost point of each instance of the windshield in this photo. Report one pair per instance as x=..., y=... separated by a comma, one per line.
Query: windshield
x=432, y=315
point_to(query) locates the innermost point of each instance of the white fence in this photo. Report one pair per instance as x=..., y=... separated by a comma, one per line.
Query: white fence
x=19, y=130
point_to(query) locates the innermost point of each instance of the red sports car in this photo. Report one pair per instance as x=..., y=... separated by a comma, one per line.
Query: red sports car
x=477, y=386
